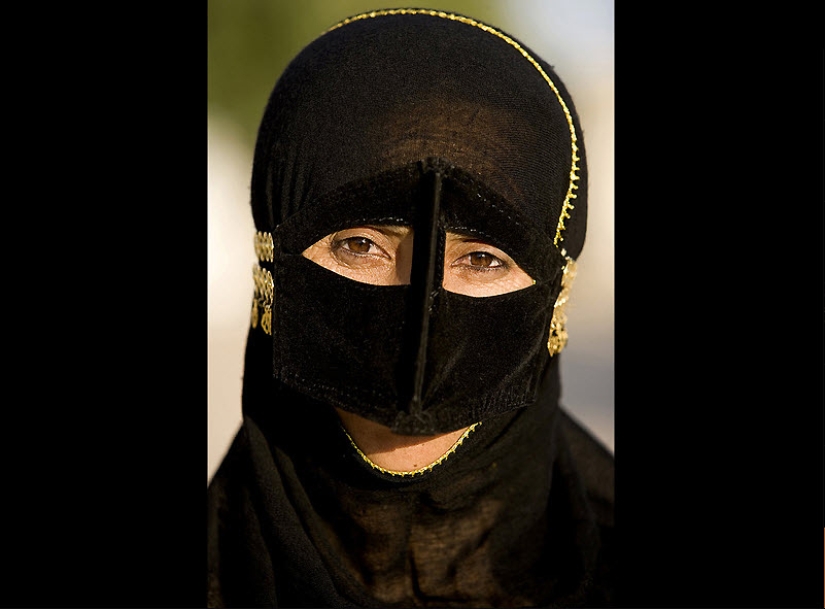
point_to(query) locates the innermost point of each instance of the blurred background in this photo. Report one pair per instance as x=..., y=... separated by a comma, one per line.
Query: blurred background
x=249, y=44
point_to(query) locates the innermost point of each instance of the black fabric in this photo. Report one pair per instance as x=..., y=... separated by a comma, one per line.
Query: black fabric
x=357, y=345
x=522, y=517
x=433, y=122
x=380, y=93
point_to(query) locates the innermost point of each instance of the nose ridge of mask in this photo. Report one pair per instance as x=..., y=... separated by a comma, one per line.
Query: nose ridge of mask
x=426, y=273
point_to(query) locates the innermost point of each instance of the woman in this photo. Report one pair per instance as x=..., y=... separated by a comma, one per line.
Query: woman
x=419, y=191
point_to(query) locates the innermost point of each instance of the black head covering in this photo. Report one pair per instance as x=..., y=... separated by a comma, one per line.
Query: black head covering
x=441, y=123
x=438, y=122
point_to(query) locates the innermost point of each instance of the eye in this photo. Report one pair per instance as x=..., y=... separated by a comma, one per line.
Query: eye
x=484, y=260
x=378, y=255
x=357, y=245
x=361, y=249
x=478, y=268
x=480, y=261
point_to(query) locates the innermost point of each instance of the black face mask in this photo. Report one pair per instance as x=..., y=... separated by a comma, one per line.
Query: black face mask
x=416, y=135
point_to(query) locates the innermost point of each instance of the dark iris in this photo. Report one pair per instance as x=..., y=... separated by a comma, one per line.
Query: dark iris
x=359, y=245
x=482, y=259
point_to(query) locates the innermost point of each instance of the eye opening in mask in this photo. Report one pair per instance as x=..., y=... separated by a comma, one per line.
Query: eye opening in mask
x=382, y=255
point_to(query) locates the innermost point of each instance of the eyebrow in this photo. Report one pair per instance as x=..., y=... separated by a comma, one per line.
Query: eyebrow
x=400, y=231
x=464, y=238
x=467, y=239
x=394, y=231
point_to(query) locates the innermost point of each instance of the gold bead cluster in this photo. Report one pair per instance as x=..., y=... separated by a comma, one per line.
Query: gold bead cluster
x=558, y=325
x=264, y=284
x=263, y=246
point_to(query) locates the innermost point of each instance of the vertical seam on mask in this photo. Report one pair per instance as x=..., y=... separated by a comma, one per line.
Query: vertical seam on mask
x=567, y=205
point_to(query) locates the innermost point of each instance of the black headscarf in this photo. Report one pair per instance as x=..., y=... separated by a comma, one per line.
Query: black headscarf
x=441, y=123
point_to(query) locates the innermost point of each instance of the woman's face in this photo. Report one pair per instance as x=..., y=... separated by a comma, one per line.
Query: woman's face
x=382, y=255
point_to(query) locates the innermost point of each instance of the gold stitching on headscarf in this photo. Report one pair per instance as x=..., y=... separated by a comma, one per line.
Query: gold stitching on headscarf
x=566, y=205
x=423, y=470
x=263, y=298
x=558, y=325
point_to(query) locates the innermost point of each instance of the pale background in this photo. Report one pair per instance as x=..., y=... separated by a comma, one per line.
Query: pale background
x=250, y=42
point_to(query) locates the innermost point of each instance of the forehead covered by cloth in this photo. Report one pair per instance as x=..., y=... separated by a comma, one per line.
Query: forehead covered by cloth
x=375, y=98
x=394, y=197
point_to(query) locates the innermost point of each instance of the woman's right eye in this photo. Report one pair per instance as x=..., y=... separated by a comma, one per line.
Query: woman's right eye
x=357, y=245
x=370, y=254
x=358, y=250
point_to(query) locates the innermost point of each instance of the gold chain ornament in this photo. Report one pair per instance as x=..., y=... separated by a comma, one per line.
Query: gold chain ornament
x=558, y=325
x=264, y=247
x=264, y=284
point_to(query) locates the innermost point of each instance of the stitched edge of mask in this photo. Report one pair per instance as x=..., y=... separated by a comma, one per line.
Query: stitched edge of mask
x=423, y=470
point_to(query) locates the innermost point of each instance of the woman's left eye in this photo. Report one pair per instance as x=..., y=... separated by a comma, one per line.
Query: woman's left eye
x=484, y=260
x=481, y=261
x=358, y=245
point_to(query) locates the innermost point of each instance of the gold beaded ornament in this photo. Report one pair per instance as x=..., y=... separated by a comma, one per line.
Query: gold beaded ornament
x=558, y=325
x=264, y=284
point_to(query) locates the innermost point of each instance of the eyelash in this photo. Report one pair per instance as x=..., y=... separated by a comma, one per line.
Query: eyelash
x=341, y=244
x=497, y=263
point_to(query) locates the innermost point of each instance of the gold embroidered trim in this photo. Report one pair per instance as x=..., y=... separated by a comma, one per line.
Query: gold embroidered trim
x=263, y=246
x=416, y=472
x=558, y=325
x=262, y=300
x=566, y=205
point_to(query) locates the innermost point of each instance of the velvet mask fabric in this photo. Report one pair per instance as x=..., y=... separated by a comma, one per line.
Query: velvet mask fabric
x=440, y=123
x=359, y=346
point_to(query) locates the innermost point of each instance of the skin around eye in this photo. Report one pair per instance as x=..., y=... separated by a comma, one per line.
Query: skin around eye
x=379, y=255
x=475, y=268
x=484, y=260
x=480, y=260
x=355, y=249
x=382, y=255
